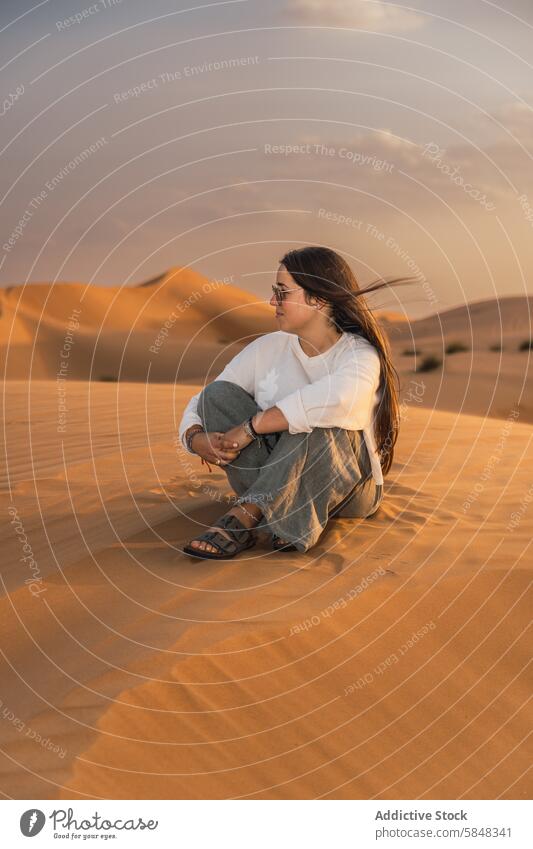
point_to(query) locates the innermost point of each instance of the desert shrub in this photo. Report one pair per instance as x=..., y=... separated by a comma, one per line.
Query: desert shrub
x=108, y=377
x=429, y=363
x=411, y=352
x=526, y=345
x=496, y=347
x=455, y=348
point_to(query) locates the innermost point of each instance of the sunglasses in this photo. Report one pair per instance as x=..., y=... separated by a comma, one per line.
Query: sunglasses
x=280, y=293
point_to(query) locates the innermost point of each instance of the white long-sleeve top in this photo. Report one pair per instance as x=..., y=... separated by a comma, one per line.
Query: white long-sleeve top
x=338, y=388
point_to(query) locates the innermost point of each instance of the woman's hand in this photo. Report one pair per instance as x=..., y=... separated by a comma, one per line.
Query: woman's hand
x=239, y=435
x=214, y=446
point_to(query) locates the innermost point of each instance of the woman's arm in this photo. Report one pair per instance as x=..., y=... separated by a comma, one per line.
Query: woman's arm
x=344, y=398
x=240, y=370
x=270, y=421
x=189, y=418
x=265, y=421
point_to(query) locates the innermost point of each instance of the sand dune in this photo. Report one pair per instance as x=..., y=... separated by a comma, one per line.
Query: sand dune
x=390, y=661
x=137, y=333
x=493, y=320
x=180, y=327
x=481, y=380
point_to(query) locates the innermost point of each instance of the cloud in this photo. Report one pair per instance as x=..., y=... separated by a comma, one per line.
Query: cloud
x=361, y=14
x=517, y=117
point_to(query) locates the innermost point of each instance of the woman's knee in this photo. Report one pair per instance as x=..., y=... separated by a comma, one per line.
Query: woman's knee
x=217, y=389
x=222, y=399
x=220, y=392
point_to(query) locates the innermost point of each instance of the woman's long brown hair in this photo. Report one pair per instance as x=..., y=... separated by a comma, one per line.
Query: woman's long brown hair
x=325, y=274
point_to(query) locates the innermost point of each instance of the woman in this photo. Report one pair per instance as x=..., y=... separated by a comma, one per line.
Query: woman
x=304, y=420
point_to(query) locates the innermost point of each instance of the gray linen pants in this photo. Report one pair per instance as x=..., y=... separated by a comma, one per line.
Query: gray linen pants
x=297, y=480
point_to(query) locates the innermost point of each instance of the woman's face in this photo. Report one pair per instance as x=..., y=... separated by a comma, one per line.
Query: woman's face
x=294, y=312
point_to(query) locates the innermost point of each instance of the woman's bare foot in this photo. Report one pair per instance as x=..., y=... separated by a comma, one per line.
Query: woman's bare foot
x=204, y=545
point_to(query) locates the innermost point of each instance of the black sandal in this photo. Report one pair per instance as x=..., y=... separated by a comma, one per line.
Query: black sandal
x=242, y=538
x=282, y=546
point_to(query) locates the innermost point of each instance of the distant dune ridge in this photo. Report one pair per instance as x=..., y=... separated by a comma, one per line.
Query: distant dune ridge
x=118, y=327
x=180, y=326
x=507, y=320
x=491, y=376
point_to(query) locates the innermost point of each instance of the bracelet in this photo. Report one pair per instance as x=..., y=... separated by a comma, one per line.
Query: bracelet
x=193, y=431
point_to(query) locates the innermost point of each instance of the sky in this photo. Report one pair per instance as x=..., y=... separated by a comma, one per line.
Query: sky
x=138, y=137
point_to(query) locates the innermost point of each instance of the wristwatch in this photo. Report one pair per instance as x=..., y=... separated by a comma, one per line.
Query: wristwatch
x=197, y=428
x=251, y=431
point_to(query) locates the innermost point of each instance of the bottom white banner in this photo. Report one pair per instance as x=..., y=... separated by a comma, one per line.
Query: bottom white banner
x=259, y=824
